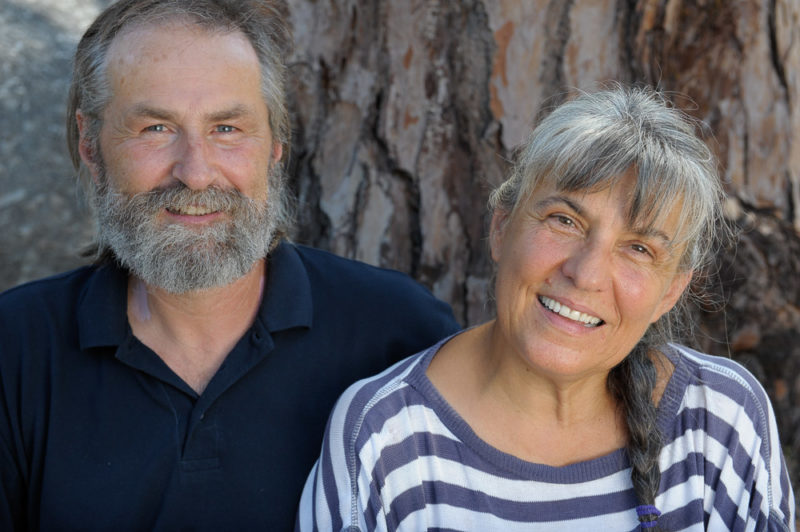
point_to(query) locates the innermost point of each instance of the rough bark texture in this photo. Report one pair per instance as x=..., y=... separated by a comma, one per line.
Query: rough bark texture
x=408, y=111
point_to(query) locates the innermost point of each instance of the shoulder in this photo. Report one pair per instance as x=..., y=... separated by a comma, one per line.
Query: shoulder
x=53, y=314
x=383, y=298
x=714, y=376
x=368, y=430
x=330, y=269
x=720, y=389
x=48, y=293
x=368, y=407
x=38, y=321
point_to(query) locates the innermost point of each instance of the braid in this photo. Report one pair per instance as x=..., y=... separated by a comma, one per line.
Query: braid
x=632, y=383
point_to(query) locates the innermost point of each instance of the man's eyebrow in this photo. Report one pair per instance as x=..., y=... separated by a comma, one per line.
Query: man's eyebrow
x=148, y=111
x=644, y=232
x=143, y=110
x=237, y=111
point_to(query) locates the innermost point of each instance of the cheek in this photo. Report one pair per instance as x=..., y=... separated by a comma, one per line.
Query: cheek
x=136, y=169
x=521, y=273
x=639, y=292
x=248, y=172
x=534, y=258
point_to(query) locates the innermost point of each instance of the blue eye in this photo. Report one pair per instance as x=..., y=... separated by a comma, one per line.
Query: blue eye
x=225, y=129
x=158, y=128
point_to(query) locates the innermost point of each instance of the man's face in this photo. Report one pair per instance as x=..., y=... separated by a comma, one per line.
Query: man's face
x=185, y=154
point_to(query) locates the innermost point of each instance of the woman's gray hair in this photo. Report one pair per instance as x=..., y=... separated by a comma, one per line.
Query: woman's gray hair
x=593, y=142
x=263, y=22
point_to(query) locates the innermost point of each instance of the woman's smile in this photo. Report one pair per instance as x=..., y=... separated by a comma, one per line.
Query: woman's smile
x=572, y=314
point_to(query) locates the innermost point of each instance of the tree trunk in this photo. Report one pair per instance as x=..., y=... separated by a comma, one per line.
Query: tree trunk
x=407, y=113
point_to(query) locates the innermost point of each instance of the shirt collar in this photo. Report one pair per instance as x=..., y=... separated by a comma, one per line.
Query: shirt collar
x=102, y=316
x=287, y=301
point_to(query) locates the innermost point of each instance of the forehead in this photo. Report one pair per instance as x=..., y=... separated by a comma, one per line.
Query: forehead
x=182, y=62
x=156, y=41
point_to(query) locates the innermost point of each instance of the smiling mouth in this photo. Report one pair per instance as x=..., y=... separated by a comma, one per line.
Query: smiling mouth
x=191, y=210
x=562, y=310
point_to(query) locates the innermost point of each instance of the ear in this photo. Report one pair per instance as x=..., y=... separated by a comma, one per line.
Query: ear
x=86, y=148
x=497, y=229
x=673, y=293
x=277, y=152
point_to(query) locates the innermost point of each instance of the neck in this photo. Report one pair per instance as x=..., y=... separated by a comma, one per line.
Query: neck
x=194, y=331
x=534, y=417
x=545, y=398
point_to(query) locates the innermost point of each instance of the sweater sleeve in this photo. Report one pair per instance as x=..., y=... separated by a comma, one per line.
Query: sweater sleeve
x=753, y=480
x=782, y=508
x=330, y=499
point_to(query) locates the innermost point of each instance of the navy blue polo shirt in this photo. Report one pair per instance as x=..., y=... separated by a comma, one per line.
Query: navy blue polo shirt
x=97, y=433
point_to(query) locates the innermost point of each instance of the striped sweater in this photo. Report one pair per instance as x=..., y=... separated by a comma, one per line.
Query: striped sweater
x=396, y=456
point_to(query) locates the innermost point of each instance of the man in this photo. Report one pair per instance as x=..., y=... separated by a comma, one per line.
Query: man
x=184, y=380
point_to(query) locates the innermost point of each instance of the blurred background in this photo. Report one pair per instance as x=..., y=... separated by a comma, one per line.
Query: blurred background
x=407, y=112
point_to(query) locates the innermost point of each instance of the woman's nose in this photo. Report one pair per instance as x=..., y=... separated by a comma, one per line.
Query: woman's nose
x=589, y=266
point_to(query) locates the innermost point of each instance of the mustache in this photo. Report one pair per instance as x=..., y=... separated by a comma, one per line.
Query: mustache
x=179, y=196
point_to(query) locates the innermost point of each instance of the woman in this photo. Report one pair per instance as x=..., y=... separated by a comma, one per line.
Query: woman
x=572, y=410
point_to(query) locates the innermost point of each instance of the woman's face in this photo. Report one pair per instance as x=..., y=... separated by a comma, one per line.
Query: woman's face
x=577, y=286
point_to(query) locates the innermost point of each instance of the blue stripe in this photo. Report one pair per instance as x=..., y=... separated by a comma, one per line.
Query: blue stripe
x=684, y=517
x=441, y=492
x=329, y=485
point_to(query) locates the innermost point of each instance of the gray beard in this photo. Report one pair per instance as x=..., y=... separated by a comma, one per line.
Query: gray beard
x=179, y=258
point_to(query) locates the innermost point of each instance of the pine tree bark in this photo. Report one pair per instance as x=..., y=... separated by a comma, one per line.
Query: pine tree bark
x=408, y=112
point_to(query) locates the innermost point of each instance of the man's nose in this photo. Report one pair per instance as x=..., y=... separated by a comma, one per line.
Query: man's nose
x=193, y=164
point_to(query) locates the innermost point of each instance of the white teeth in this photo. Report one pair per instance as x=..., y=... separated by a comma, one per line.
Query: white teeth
x=563, y=310
x=192, y=210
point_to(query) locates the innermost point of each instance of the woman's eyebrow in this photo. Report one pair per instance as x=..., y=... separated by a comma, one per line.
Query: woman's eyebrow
x=652, y=232
x=555, y=200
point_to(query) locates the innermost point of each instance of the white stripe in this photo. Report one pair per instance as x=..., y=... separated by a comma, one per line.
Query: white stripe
x=677, y=497
x=729, y=411
x=304, y=515
x=364, y=491
x=432, y=468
